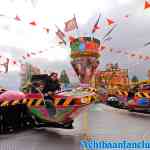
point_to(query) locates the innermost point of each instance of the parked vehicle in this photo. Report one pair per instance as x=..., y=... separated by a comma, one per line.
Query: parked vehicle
x=115, y=102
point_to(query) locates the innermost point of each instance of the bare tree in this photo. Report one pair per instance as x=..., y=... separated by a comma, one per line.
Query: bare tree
x=148, y=74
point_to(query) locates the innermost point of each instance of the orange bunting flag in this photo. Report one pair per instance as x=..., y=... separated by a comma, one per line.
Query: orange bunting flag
x=28, y=55
x=110, y=21
x=132, y=55
x=146, y=5
x=46, y=29
x=23, y=57
x=33, y=23
x=14, y=62
x=147, y=57
x=140, y=56
x=126, y=16
x=110, y=49
x=102, y=47
x=17, y=18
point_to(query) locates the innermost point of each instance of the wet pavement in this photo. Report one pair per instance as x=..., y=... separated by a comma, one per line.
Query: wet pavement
x=100, y=122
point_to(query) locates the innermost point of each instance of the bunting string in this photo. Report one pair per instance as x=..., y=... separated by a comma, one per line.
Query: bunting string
x=32, y=23
x=5, y=61
x=71, y=25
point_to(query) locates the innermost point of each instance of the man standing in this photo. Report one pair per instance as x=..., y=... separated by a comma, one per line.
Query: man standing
x=50, y=89
x=52, y=85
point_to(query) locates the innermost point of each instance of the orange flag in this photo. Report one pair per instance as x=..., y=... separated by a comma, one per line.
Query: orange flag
x=28, y=55
x=132, y=55
x=46, y=29
x=126, y=16
x=110, y=49
x=14, y=62
x=110, y=21
x=33, y=23
x=102, y=47
x=140, y=56
x=146, y=5
x=17, y=18
x=147, y=57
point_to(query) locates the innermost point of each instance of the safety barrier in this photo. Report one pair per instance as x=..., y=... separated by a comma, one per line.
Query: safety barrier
x=15, y=115
x=59, y=101
x=28, y=102
x=69, y=101
x=122, y=93
x=142, y=95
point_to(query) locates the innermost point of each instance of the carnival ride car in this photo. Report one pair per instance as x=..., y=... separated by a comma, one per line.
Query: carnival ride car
x=113, y=85
x=140, y=101
x=28, y=110
x=19, y=110
x=136, y=98
x=114, y=97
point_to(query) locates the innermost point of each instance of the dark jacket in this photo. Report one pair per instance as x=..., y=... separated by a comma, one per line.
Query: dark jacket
x=130, y=95
x=51, y=86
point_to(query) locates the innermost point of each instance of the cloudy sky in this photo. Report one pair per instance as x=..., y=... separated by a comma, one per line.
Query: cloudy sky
x=18, y=38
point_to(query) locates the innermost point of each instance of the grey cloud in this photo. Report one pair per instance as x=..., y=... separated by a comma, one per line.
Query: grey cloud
x=131, y=34
x=7, y=80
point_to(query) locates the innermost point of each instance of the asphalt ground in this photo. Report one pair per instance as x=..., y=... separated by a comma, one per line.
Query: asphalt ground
x=101, y=122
